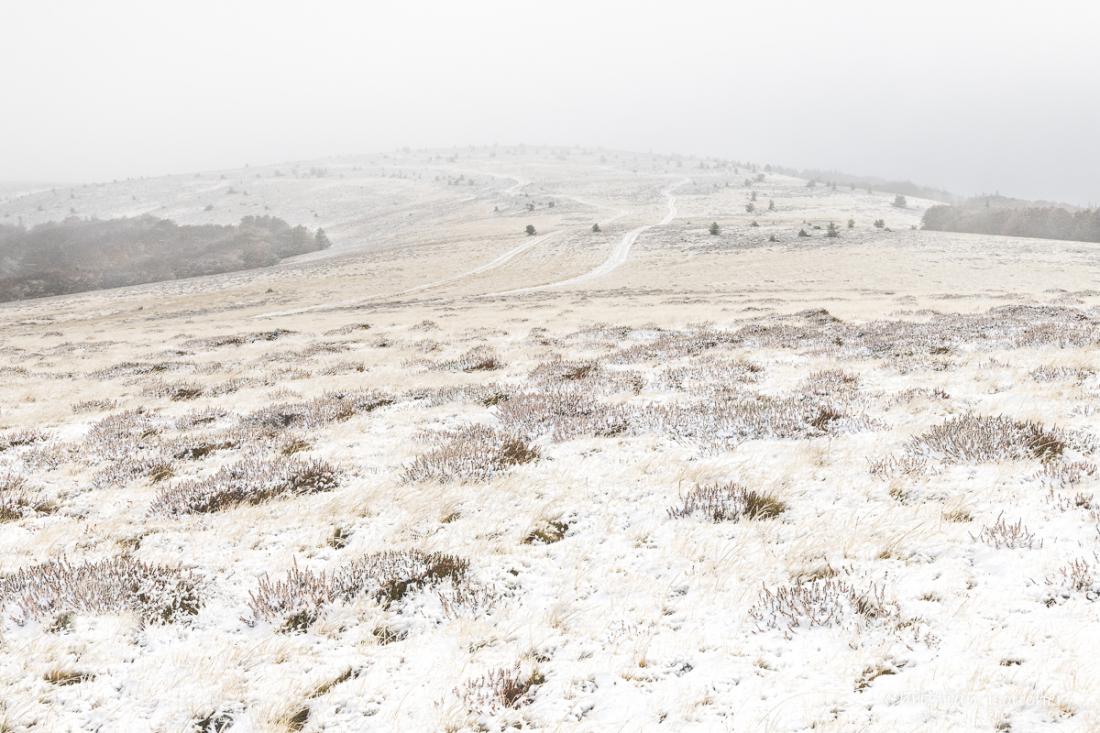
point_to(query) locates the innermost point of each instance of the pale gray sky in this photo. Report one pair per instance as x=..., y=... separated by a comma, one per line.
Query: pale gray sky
x=972, y=96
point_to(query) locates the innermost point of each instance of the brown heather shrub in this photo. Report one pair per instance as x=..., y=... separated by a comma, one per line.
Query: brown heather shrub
x=156, y=593
x=1050, y=373
x=20, y=438
x=806, y=604
x=707, y=376
x=830, y=382
x=175, y=391
x=14, y=503
x=1077, y=577
x=562, y=413
x=508, y=687
x=670, y=345
x=486, y=395
x=1001, y=534
x=587, y=376
x=731, y=418
x=93, y=406
x=330, y=407
x=547, y=532
x=727, y=502
x=974, y=438
x=199, y=418
x=475, y=453
x=140, y=369
x=298, y=600
x=252, y=480
x=478, y=359
x=217, y=342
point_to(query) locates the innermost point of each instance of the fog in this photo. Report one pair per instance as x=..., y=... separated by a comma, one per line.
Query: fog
x=973, y=97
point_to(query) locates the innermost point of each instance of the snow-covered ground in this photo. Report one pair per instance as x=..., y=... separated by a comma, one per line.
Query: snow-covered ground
x=726, y=484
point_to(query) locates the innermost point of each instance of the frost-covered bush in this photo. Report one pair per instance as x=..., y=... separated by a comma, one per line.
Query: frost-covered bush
x=299, y=598
x=507, y=687
x=1003, y=534
x=562, y=413
x=156, y=593
x=1079, y=577
x=330, y=407
x=477, y=359
x=727, y=503
x=252, y=480
x=816, y=602
x=974, y=438
x=19, y=438
x=474, y=453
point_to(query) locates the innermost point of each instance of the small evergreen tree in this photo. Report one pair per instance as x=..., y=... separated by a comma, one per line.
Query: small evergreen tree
x=803, y=233
x=851, y=223
x=750, y=207
x=530, y=230
x=321, y=239
x=771, y=205
x=900, y=202
x=596, y=228
x=833, y=231
x=714, y=228
x=880, y=223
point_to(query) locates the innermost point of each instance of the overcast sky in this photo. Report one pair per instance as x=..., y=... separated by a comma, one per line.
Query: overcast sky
x=971, y=96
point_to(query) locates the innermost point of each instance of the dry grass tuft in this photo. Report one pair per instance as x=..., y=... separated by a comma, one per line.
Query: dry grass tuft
x=727, y=502
x=66, y=677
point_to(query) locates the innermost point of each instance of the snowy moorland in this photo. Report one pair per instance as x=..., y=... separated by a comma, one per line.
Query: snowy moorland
x=451, y=476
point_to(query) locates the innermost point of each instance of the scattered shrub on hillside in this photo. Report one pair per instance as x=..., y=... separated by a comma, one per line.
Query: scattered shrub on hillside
x=328, y=408
x=475, y=453
x=727, y=502
x=810, y=603
x=388, y=577
x=508, y=687
x=1002, y=534
x=562, y=413
x=547, y=532
x=479, y=359
x=156, y=593
x=175, y=391
x=252, y=480
x=974, y=438
x=1077, y=577
x=20, y=438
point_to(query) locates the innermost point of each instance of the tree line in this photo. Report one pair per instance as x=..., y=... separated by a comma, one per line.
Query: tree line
x=1044, y=222
x=76, y=255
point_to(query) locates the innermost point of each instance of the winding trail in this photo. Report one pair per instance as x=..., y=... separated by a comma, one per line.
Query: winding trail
x=619, y=254
x=494, y=264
